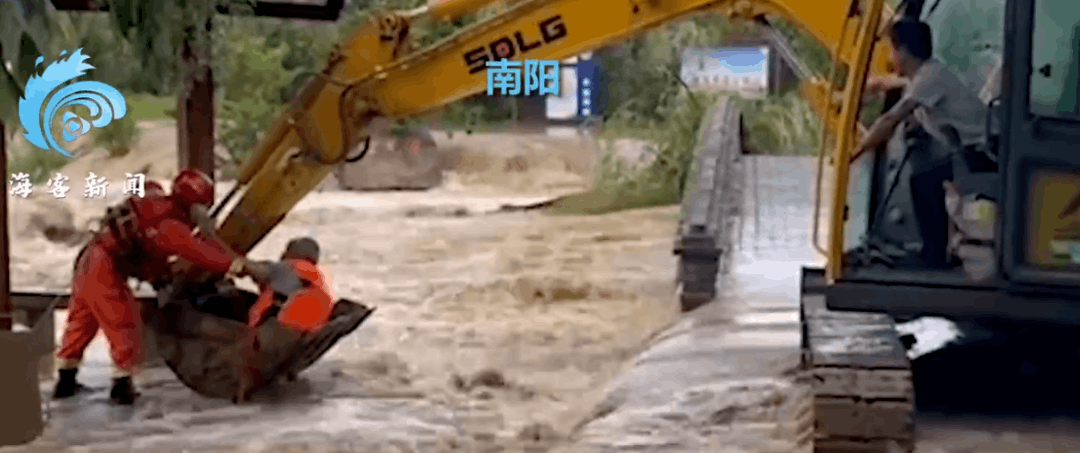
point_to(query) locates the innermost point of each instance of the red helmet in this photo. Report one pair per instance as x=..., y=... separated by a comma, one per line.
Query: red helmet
x=193, y=187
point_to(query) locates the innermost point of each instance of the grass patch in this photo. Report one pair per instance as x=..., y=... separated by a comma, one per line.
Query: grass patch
x=602, y=201
x=780, y=125
x=777, y=125
x=661, y=182
x=119, y=136
x=37, y=163
x=142, y=107
x=618, y=130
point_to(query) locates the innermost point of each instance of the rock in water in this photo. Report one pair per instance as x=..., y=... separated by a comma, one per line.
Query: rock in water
x=409, y=163
x=53, y=219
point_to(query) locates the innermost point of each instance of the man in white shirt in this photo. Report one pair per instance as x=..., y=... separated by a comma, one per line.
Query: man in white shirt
x=936, y=99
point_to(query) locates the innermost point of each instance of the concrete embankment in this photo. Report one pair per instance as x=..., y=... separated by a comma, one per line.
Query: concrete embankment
x=722, y=379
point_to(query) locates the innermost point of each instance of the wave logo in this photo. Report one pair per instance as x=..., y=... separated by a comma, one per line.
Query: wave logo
x=46, y=95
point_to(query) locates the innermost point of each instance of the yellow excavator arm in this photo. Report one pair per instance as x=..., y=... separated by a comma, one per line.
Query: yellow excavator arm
x=375, y=73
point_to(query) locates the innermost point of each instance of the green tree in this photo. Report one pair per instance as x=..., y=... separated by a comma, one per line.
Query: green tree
x=134, y=46
x=809, y=51
x=250, y=83
x=25, y=29
x=156, y=30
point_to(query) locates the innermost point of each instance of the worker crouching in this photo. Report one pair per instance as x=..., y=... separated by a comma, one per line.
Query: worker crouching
x=297, y=295
x=136, y=240
x=298, y=290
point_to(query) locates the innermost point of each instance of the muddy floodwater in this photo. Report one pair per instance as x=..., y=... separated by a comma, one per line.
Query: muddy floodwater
x=493, y=330
x=518, y=331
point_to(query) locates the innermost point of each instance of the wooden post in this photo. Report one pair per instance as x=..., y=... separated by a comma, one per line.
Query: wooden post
x=21, y=421
x=195, y=108
x=772, y=69
x=5, y=256
x=6, y=311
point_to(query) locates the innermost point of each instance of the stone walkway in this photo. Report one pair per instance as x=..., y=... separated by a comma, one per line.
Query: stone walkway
x=722, y=378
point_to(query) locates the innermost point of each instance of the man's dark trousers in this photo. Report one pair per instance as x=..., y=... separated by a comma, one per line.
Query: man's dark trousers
x=928, y=197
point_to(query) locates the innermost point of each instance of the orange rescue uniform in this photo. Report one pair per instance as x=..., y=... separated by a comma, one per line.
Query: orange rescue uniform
x=308, y=309
x=101, y=298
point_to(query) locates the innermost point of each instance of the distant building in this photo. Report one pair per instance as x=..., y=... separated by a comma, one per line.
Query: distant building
x=726, y=69
x=758, y=62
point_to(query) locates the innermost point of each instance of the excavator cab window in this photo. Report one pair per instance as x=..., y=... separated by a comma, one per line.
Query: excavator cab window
x=1040, y=218
x=968, y=37
x=1055, y=60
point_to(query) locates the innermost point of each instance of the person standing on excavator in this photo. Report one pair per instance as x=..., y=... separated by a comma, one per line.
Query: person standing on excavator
x=937, y=100
x=137, y=239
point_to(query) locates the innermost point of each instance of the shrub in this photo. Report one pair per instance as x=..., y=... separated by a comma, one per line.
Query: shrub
x=774, y=125
x=39, y=164
x=119, y=136
x=781, y=125
x=260, y=65
x=662, y=181
x=250, y=89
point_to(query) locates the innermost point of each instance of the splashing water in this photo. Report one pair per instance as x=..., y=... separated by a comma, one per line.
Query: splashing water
x=44, y=98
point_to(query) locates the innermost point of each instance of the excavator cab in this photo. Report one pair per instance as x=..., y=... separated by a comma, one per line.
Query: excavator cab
x=1012, y=201
x=1013, y=220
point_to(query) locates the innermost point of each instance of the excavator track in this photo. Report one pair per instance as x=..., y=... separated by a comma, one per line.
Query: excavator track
x=861, y=393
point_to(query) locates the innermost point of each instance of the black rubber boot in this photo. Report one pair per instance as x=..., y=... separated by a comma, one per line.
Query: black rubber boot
x=67, y=386
x=123, y=391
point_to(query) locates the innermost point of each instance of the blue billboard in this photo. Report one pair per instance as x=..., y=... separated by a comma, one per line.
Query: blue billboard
x=588, y=88
x=580, y=92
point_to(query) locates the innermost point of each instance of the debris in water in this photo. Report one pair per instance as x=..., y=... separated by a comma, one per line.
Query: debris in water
x=726, y=415
x=488, y=378
x=538, y=432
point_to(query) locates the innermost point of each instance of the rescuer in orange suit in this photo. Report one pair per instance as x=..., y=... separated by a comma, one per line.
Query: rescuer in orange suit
x=298, y=286
x=136, y=239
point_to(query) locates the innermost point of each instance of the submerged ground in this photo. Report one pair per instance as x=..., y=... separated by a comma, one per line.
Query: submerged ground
x=490, y=325
x=512, y=331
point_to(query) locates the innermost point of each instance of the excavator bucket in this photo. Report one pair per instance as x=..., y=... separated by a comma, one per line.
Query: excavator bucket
x=209, y=352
